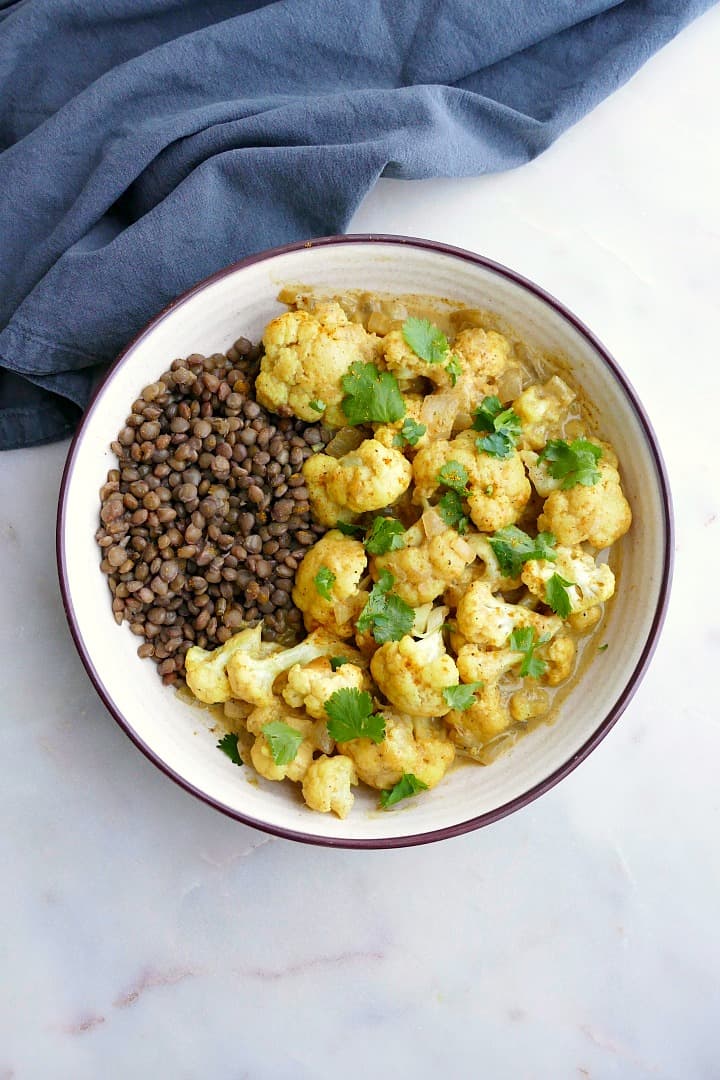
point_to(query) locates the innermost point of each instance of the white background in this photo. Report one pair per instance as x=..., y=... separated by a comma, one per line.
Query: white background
x=145, y=935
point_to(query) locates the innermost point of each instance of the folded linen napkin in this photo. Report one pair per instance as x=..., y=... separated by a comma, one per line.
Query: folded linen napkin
x=146, y=143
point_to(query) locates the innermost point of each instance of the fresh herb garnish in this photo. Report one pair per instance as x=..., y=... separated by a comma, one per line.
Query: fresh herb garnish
x=462, y=696
x=283, y=740
x=426, y=340
x=453, y=369
x=371, y=395
x=556, y=595
x=348, y=529
x=386, y=535
x=229, y=745
x=526, y=641
x=324, y=581
x=409, y=433
x=318, y=405
x=454, y=476
x=338, y=661
x=385, y=614
x=503, y=424
x=350, y=716
x=573, y=463
x=450, y=508
x=602, y=648
x=513, y=548
x=408, y=785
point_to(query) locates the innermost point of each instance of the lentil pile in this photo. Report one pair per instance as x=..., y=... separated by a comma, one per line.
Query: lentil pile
x=206, y=518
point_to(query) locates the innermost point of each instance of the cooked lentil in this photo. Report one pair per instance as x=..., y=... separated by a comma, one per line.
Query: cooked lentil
x=206, y=518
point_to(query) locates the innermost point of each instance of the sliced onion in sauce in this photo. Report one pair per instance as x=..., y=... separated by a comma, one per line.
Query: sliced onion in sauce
x=432, y=523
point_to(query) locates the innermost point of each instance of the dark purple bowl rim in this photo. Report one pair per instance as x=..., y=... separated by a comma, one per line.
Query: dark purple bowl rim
x=623, y=699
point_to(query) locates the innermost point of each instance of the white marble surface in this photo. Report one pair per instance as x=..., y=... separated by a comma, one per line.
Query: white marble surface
x=144, y=935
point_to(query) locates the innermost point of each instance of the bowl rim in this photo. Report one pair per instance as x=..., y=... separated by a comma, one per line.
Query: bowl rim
x=623, y=699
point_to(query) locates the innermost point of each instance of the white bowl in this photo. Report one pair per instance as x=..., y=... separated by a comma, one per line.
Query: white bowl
x=178, y=738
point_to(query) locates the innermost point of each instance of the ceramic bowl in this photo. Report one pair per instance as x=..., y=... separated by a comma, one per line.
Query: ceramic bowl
x=240, y=300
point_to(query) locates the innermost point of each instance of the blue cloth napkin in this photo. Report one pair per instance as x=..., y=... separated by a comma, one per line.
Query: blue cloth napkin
x=146, y=143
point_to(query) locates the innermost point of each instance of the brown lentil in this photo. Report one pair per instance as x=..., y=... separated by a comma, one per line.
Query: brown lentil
x=206, y=510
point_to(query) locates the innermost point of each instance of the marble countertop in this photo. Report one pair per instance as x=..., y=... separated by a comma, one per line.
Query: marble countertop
x=145, y=935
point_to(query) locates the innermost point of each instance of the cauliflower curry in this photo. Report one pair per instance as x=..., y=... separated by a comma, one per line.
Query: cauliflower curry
x=469, y=508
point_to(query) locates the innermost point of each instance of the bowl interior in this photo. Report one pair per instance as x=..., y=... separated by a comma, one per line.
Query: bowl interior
x=179, y=737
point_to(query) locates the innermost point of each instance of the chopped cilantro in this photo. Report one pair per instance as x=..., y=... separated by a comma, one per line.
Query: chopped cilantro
x=348, y=529
x=371, y=395
x=229, y=745
x=602, y=648
x=455, y=476
x=503, y=424
x=338, y=661
x=453, y=369
x=426, y=340
x=513, y=548
x=386, y=535
x=462, y=696
x=408, y=785
x=385, y=614
x=283, y=740
x=573, y=463
x=409, y=433
x=556, y=595
x=526, y=641
x=450, y=508
x=324, y=581
x=350, y=716
x=318, y=405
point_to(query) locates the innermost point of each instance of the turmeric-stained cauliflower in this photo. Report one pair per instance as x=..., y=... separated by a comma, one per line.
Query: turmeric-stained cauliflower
x=542, y=409
x=411, y=745
x=311, y=685
x=488, y=716
x=345, y=560
x=369, y=478
x=389, y=434
x=206, y=672
x=406, y=365
x=425, y=567
x=327, y=785
x=412, y=674
x=591, y=583
x=483, y=355
x=599, y=514
x=498, y=487
x=260, y=752
x=485, y=567
x=252, y=674
x=485, y=620
x=306, y=356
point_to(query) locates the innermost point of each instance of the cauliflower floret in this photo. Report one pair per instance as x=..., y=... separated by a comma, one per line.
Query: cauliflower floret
x=485, y=620
x=306, y=356
x=369, y=478
x=252, y=676
x=528, y=703
x=483, y=356
x=425, y=567
x=260, y=753
x=542, y=408
x=599, y=514
x=499, y=488
x=412, y=674
x=327, y=783
x=585, y=621
x=205, y=672
x=411, y=745
x=592, y=584
x=345, y=559
x=310, y=687
x=485, y=567
x=406, y=365
x=488, y=716
x=387, y=433
x=560, y=658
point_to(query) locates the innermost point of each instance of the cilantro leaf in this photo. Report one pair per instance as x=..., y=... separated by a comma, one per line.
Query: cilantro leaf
x=557, y=597
x=408, y=785
x=324, y=581
x=371, y=395
x=385, y=614
x=513, y=548
x=526, y=641
x=386, y=535
x=409, y=433
x=573, y=463
x=229, y=745
x=453, y=369
x=426, y=340
x=450, y=508
x=350, y=716
x=503, y=424
x=602, y=648
x=497, y=445
x=348, y=529
x=462, y=696
x=338, y=661
x=455, y=476
x=283, y=740
x=318, y=405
